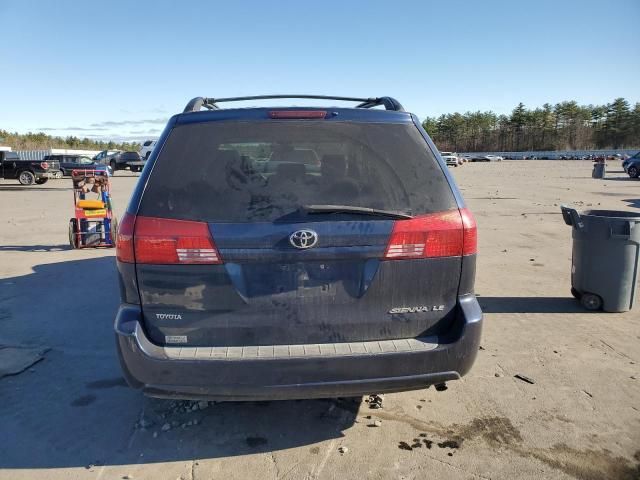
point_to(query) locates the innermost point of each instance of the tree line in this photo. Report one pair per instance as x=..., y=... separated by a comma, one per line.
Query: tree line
x=563, y=126
x=42, y=141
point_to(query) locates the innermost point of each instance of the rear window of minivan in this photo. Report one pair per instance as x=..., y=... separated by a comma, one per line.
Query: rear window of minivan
x=261, y=171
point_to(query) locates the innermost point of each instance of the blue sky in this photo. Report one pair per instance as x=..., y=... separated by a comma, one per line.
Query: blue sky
x=121, y=68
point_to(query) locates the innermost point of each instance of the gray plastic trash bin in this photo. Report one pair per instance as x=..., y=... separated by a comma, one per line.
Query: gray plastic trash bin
x=606, y=251
x=599, y=170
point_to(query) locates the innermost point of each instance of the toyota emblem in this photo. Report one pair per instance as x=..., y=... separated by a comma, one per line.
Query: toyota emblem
x=303, y=239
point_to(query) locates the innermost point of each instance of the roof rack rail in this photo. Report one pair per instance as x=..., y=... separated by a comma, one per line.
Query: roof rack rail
x=212, y=103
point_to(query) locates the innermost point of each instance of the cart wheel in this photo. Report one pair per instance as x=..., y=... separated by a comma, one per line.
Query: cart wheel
x=576, y=294
x=114, y=231
x=591, y=301
x=73, y=233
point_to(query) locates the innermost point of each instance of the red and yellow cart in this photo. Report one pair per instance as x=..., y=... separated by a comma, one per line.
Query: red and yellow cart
x=94, y=224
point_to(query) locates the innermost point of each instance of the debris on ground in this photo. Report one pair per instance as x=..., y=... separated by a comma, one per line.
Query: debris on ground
x=524, y=378
x=449, y=444
x=343, y=450
x=441, y=387
x=376, y=423
x=418, y=442
x=185, y=406
x=374, y=401
x=15, y=360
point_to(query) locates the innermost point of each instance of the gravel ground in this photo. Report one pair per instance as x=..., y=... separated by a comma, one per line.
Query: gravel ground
x=70, y=415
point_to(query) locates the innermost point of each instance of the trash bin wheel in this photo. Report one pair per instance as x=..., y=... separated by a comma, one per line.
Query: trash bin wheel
x=576, y=294
x=591, y=301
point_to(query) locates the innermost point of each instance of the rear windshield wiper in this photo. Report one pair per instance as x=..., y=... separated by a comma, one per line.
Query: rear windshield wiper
x=354, y=210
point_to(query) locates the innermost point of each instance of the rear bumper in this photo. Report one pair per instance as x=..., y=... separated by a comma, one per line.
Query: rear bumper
x=296, y=372
x=56, y=174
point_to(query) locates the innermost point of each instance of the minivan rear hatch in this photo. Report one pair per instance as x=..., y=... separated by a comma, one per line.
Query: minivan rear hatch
x=296, y=231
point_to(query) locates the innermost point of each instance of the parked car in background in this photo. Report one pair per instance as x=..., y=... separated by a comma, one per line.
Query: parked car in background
x=122, y=160
x=451, y=158
x=147, y=148
x=484, y=158
x=27, y=172
x=104, y=157
x=632, y=166
x=338, y=277
x=70, y=162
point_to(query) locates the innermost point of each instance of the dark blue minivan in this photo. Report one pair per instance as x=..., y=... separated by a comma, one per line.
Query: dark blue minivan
x=287, y=253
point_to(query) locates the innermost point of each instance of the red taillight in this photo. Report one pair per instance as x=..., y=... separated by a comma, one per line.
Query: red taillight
x=446, y=234
x=124, y=242
x=44, y=165
x=164, y=241
x=470, y=239
x=297, y=114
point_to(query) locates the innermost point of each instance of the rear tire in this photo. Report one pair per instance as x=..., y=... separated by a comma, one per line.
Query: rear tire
x=633, y=172
x=591, y=301
x=26, y=178
x=41, y=181
x=73, y=233
x=113, y=166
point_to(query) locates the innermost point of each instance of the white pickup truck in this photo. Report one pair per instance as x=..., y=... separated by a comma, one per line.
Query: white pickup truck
x=451, y=158
x=147, y=148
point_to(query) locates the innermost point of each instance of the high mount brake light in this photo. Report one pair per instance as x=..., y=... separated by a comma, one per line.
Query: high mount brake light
x=165, y=241
x=444, y=234
x=300, y=114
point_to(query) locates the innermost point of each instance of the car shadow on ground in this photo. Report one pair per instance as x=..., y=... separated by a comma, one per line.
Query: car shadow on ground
x=620, y=179
x=73, y=409
x=35, y=248
x=17, y=188
x=530, y=305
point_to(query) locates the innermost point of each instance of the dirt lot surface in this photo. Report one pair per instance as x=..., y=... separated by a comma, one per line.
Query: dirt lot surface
x=70, y=415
